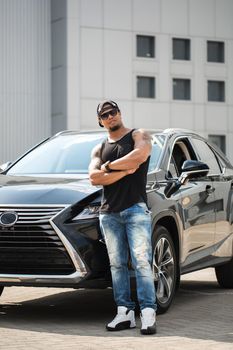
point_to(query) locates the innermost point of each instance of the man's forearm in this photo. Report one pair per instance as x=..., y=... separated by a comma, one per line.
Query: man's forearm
x=132, y=160
x=99, y=177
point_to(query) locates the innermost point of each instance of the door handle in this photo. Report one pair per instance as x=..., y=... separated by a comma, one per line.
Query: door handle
x=209, y=189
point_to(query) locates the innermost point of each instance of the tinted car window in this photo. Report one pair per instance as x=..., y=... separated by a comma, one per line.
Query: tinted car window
x=182, y=151
x=207, y=156
x=172, y=171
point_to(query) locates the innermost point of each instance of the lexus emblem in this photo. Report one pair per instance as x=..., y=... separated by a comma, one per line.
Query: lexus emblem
x=8, y=218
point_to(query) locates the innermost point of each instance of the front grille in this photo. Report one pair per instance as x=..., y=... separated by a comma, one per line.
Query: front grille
x=32, y=246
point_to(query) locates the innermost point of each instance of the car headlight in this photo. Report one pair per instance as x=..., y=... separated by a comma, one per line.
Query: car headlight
x=90, y=212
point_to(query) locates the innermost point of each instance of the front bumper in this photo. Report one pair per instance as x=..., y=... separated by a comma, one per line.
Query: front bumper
x=30, y=240
x=40, y=281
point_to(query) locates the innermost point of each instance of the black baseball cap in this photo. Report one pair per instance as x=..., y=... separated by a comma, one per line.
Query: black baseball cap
x=106, y=106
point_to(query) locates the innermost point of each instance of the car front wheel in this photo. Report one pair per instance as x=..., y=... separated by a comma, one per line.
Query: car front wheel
x=164, y=268
x=224, y=274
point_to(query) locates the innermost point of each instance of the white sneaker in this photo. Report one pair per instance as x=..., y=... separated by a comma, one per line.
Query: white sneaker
x=148, y=319
x=124, y=319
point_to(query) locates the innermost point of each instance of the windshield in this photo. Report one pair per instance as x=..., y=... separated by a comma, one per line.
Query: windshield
x=70, y=154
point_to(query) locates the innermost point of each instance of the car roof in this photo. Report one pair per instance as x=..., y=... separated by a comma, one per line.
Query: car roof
x=168, y=131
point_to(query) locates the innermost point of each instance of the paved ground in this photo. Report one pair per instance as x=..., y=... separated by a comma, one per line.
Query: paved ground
x=201, y=317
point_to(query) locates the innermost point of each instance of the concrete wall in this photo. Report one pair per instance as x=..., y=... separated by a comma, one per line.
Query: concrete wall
x=65, y=70
x=25, y=106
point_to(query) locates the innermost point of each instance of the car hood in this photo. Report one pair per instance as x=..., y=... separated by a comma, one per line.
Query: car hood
x=45, y=190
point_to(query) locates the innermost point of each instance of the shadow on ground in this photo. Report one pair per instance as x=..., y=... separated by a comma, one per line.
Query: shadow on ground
x=201, y=310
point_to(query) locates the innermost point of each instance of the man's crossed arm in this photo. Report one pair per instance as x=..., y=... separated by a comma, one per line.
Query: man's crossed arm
x=122, y=166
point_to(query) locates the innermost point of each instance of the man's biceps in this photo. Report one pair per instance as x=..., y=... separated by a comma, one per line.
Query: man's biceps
x=143, y=145
x=93, y=165
x=91, y=168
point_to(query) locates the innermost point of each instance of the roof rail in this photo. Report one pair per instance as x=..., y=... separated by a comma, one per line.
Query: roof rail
x=63, y=132
x=178, y=129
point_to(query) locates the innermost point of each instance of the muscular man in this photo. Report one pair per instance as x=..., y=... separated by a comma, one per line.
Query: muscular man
x=120, y=164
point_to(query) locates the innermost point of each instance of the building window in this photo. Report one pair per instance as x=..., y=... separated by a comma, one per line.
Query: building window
x=215, y=51
x=181, y=89
x=181, y=49
x=146, y=87
x=145, y=46
x=216, y=91
x=219, y=141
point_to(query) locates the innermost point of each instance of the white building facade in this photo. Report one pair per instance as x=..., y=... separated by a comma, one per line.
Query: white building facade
x=167, y=63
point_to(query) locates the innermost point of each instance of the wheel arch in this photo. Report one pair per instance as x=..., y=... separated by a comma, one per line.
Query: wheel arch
x=170, y=221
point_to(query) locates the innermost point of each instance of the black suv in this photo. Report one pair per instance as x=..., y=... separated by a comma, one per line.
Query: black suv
x=49, y=228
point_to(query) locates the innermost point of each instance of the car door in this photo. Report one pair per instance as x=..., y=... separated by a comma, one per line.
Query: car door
x=222, y=185
x=197, y=207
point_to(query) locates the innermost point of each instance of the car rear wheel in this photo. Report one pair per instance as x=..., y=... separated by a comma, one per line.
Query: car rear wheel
x=1, y=290
x=224, y=274
x=164, y=268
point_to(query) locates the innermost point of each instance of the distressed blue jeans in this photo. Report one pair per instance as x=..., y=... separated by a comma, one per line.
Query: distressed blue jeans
x=124, y=232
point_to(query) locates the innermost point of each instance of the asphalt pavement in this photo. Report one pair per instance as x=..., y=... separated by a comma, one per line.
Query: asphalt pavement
x=201, y=317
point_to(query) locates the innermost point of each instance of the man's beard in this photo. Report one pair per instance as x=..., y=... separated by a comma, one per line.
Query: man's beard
x=115, y=127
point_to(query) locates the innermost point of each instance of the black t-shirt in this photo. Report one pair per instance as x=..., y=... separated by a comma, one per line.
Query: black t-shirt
x=129, y=190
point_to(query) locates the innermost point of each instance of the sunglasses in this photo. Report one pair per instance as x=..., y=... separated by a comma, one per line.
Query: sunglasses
x=113, y=113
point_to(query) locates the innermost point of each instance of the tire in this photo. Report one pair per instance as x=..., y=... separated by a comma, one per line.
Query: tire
x=165, y=268
x=224, y=274
x=1, y=290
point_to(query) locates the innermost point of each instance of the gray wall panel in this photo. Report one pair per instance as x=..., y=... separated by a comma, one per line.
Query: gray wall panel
x=25, y=101
x=59, y=65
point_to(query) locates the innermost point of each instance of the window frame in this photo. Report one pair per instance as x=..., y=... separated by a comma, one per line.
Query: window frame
x=190, y=89
x=138, y=76
x=154, y=46
x=189, y=49
x=224, y=51
x=224, y=92
x=187, y=148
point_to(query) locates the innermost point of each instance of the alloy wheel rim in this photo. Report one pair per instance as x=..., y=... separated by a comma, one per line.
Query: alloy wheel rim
x=164, y=269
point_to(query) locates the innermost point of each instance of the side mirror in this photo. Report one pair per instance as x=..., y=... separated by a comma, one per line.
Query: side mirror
x=4, y=166
x=193, y=169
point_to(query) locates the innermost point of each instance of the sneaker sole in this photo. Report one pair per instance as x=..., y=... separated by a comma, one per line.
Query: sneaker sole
x=149, y=330
x=120, y=326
